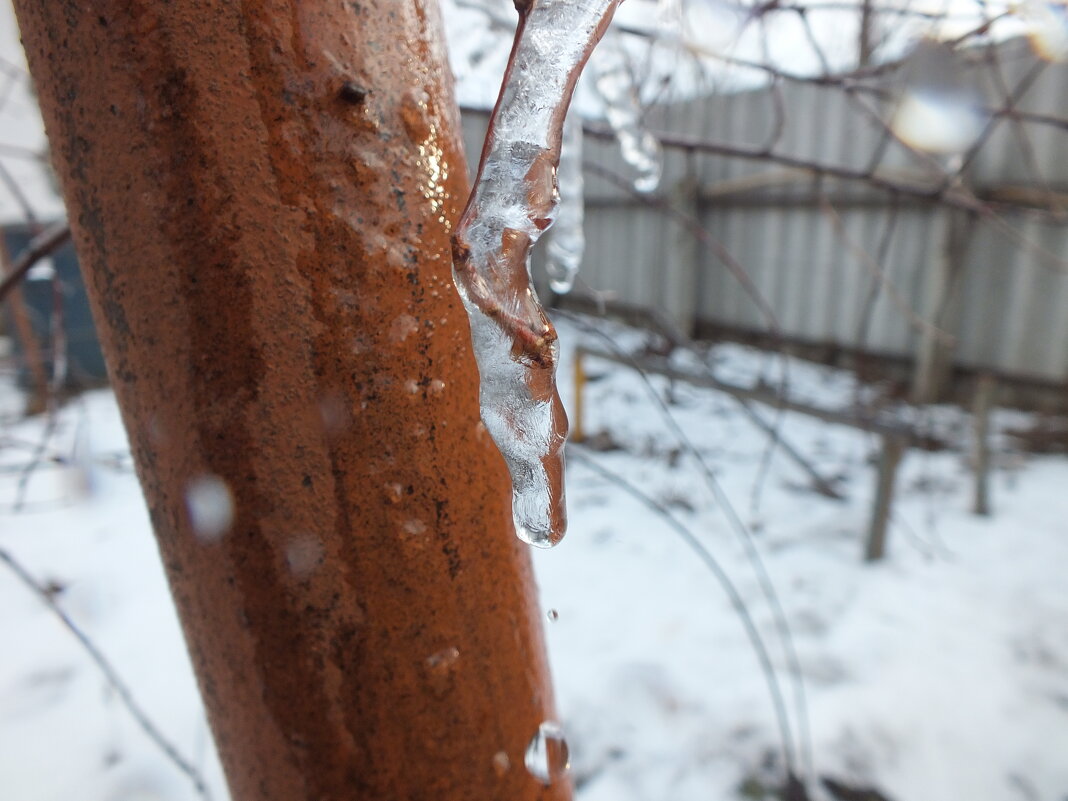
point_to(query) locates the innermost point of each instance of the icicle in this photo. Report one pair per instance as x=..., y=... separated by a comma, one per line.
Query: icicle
x=513, y=201
x=567, y=243
x=639, y=148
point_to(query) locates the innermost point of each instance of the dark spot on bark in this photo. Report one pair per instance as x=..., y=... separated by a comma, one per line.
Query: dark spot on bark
x=353, y=93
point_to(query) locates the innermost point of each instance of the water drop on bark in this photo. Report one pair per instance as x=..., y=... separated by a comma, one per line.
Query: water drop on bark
x=547, y=757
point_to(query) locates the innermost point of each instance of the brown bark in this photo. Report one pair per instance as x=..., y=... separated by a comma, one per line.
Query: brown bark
x=260, y=195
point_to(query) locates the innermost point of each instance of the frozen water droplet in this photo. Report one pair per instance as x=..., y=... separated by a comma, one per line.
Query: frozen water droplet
x=411, y=386
x=547, y=757
x=538, y=534
x=553, y=615
x=304, y=555
x=210, y=506
x=567, y=243
x=501, y=763
x=437, y=386
x=513, y=202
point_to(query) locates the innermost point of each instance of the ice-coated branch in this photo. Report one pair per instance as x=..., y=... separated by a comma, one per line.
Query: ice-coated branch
x=514, y=200
x=568, y=242
x=639, y=148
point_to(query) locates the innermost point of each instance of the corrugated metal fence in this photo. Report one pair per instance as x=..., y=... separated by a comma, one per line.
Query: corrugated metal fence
x=840, y=262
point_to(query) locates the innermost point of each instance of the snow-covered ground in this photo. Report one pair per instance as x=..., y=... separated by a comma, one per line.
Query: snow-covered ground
x=938, y=674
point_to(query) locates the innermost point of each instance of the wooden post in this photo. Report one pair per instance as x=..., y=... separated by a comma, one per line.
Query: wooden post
x=681, y=256
x=578, y=432
x=890, y=458
x=934, y=354
x=867, y=34
x=261, y=196
x=985, y=391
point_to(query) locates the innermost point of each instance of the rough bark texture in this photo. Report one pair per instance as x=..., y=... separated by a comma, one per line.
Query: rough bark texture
x=261, y=195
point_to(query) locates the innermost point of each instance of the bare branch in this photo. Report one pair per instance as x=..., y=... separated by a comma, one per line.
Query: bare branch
x=914, y=320
x=42, y=245
x=736, y=600
x=112, y=676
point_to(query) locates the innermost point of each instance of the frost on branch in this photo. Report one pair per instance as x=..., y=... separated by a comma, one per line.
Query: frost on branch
x=513, y=202
x=568, y=242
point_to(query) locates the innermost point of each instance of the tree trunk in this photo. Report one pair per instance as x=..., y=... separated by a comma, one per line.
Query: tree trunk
x=261, y=195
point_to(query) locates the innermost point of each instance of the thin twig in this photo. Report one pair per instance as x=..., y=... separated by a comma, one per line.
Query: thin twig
x=110, y=674
x=741, y=275
x=913, y=319
x=734, y=596
x=41, y=246
x=744, y=536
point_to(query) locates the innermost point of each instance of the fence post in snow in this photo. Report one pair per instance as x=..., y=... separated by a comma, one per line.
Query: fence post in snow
x=892, y=451
x=681, y=255
x=578, y=432
x=941, y=297
x=985, y=391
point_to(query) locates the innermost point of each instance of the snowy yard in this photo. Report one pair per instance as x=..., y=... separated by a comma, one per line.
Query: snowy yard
x=938, y=674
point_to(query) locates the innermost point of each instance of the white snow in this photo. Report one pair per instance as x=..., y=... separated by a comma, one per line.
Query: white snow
x=939, y=673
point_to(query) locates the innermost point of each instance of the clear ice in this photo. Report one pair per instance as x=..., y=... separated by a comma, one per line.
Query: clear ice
x=514, y=200
x=567, y=243
x=547, y=757
x=639, y=148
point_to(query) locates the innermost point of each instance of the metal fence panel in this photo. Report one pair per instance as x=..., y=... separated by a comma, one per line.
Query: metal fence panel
x=839, y=262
